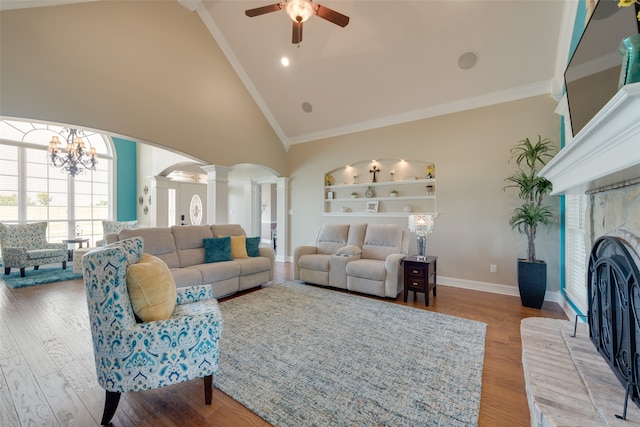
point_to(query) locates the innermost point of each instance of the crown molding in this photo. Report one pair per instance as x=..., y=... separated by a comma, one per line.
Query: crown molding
x=493, y=98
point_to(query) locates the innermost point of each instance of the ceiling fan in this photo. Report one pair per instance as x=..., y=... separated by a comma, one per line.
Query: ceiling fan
x=299, y=11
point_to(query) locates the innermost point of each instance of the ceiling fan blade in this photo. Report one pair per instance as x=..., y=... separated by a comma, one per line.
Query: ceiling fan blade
x=296, y=36
x=264, y=9
x=331, y=15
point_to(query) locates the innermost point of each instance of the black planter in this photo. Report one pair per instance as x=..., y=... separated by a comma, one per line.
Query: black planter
x=532, y=282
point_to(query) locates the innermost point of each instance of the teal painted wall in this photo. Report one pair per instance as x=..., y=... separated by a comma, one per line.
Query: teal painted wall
x=126, y=184
x=578, y=26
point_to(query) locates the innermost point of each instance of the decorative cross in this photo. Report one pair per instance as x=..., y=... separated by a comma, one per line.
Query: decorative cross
x=374, y=171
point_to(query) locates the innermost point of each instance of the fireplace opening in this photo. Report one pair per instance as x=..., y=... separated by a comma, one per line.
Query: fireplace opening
x=614, y=310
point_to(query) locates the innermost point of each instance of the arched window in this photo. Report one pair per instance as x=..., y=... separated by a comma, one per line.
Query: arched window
x=33, y=190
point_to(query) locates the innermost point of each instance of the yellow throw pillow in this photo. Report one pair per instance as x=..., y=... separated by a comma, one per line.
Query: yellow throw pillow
x=239, y=246
x=152, y=289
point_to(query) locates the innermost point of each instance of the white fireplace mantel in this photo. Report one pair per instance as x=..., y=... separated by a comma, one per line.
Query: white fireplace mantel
x=605, y=152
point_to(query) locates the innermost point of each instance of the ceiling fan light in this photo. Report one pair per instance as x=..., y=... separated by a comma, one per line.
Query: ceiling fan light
x=299, y=10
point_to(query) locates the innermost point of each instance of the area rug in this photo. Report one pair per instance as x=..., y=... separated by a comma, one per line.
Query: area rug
x=39, y=277
x=298, y=355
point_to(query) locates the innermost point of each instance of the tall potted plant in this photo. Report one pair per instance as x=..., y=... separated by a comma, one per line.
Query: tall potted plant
x=530, y=157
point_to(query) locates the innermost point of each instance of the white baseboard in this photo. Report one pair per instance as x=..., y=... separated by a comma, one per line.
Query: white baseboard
x=495, y=288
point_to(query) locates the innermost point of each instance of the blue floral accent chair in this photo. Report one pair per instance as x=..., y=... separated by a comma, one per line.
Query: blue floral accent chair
x=135, y=356
x=25, y=245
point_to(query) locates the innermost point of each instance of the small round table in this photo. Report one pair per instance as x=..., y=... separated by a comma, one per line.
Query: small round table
x=79, y=242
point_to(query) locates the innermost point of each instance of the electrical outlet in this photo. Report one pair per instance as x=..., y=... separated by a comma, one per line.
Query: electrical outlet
x=493, y=268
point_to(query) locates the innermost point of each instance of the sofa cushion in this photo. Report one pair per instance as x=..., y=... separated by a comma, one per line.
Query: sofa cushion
x=158, y=241
x=44, y=253
x=367, y=269
x=239, y=247
x=332, y=237
x=152, y=289
x=357, y=232
x=382, y=240
x=253, y=265
x=318, y=262
x=28, y=236
x=218, y=271
x=217, y=249
x=253, y=246
x=186, y=277
x=220, y=230
x=189, y=243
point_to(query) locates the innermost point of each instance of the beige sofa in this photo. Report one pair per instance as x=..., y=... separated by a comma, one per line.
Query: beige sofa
x=182, y=249
x=359, y=257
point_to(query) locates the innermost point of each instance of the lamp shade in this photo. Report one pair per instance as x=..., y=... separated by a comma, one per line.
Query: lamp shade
x=421, y=224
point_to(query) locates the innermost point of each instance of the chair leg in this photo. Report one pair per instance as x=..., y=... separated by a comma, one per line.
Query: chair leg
x=64, y=265
x=21, y=271
x=35, y=267
x=111, y=401
x=208, y=389
x=7, y=270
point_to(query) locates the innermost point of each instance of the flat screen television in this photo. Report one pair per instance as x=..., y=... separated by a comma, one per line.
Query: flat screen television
x=591, y=78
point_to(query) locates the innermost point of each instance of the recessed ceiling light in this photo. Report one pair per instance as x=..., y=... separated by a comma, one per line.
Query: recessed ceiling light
x=467, y=60
x=284, y=61
x=307, y=107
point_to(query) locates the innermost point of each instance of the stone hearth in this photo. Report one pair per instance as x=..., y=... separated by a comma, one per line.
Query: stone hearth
x=568, y=382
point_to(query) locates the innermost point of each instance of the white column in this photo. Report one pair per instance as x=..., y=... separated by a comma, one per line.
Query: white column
x=159, y=209
x=282, y=246
x=217, y=194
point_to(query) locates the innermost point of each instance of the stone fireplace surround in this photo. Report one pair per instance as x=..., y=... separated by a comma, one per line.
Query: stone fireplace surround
x=567, y=381
x=603, y=161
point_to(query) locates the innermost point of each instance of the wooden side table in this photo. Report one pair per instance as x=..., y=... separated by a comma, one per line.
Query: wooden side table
x=417, y=275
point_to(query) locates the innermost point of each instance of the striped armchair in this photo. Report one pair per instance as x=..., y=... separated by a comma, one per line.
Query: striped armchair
x=135, y=356
x=25, y=245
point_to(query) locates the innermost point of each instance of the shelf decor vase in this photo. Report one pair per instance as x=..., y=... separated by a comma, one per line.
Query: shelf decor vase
x=629, y=48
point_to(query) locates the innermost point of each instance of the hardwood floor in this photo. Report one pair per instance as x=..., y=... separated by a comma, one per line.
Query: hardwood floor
x=48, y=378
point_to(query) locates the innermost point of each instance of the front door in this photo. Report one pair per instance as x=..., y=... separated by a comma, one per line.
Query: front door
x=192, y=209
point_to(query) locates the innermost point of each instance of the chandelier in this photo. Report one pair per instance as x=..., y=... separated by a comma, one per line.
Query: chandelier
x=74, y=159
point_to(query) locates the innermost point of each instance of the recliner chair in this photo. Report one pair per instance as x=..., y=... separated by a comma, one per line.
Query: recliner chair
x=378, y=270
x=324, y=263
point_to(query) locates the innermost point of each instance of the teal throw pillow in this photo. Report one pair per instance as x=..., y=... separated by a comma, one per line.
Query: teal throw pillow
x=217, y=249
x=253, y=243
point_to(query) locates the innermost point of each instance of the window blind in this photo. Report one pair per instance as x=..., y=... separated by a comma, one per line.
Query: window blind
x=575, y=257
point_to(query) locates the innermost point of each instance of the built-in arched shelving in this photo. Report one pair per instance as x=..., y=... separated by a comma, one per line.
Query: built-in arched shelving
x=401, y=187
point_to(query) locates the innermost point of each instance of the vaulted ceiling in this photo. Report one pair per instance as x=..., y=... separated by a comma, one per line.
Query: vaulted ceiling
x=395, y=61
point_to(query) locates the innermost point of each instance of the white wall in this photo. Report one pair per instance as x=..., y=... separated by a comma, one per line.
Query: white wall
x=143, y=74
x=151, y=161
x=243, y=192
x=471, y=153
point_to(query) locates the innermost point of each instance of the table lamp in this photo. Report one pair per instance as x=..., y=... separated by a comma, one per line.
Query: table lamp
x=421, y=225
